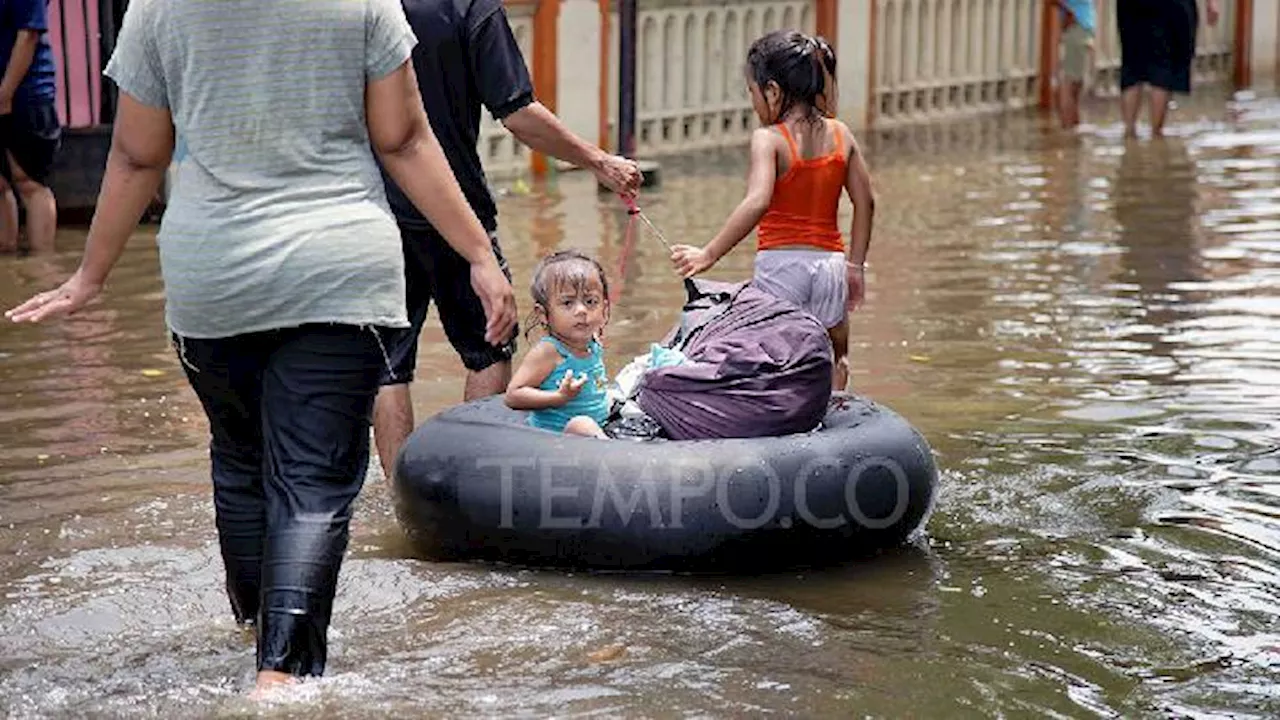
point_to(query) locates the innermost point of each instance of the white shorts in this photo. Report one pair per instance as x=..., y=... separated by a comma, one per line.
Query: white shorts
x=813, y=279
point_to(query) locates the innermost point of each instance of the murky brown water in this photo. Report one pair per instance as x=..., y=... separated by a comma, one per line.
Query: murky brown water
x=1085, y=330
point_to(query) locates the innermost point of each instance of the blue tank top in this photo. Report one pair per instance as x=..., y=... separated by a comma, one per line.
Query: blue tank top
x=591, y=401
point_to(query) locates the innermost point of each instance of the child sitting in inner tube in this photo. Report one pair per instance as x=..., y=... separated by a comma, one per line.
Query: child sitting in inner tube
x=562, y=379
x=802, y=160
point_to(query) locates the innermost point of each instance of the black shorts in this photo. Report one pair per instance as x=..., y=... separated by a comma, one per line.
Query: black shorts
x=32, y=134
x=433, y=270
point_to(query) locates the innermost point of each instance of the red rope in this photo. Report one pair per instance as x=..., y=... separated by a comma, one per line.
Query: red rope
x=628, y=246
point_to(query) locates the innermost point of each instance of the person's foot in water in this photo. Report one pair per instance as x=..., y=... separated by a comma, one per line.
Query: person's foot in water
x=269, y=680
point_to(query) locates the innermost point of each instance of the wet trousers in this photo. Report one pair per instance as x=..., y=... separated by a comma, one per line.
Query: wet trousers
x=289, y=413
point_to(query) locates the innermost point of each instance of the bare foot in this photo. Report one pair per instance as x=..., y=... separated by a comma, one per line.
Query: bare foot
x=607, y=653
x=269, y=680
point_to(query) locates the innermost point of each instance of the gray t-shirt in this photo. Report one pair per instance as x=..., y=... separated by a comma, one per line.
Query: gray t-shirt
x=277, y=216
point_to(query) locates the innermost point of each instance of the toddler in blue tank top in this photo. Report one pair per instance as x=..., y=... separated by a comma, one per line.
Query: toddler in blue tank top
x=562, y=380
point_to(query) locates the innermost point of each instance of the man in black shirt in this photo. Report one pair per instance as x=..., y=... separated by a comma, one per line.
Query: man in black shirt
x=467, y=57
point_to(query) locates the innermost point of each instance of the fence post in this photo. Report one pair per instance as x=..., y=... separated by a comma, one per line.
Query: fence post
x=826, y=14
x=627, y=19
x=1242, y=50
x=545, y=65
x=606, y=47
x=1048, y=68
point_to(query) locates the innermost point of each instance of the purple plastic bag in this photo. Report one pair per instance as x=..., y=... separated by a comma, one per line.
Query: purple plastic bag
x=757, y=366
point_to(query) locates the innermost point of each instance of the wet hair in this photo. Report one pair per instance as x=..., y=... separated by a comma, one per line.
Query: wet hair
x=797, y=63
x=563, y=269
x=827, y=55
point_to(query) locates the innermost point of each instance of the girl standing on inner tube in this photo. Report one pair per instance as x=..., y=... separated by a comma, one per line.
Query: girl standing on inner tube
x=801, y=162
x=563, y=379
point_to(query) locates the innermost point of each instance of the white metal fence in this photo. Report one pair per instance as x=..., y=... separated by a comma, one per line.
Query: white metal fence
x=933, y=60
x=691, y=89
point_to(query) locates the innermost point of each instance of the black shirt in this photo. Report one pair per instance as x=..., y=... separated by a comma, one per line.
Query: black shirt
x=466, y=57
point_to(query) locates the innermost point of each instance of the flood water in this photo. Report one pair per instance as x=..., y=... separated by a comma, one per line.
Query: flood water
x=1086, y=330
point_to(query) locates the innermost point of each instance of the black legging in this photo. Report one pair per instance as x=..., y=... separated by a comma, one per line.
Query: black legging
x=289, y=415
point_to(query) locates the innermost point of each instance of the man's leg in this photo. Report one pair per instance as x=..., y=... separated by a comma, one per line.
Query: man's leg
x=393, y=422
x=492, y=380
x=462, y=315
x=434, y=270
x=393, y=419
x=8, y=218
x=41, y=207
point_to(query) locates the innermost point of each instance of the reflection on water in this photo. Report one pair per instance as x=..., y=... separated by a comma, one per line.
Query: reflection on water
x=1084, y=328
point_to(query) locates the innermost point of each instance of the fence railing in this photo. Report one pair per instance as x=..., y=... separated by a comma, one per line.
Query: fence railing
x=948, y=57
x=931, y=60
x=691, y=91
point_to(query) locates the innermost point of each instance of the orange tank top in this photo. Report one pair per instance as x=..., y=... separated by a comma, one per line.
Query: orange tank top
x=806, y=200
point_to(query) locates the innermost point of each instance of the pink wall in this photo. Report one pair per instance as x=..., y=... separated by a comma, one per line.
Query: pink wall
x=79, y=74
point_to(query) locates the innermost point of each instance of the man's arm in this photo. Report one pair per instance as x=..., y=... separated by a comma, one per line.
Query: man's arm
x=539, y=128
x=24, y=51
x=502, y=79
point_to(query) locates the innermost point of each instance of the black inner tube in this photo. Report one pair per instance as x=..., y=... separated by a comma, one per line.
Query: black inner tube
x=477, y=483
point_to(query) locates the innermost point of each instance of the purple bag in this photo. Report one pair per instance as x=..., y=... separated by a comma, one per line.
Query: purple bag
x=757, y=366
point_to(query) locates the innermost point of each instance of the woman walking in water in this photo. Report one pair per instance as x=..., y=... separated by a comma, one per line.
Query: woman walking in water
x=1157, y=46
x=282, y=266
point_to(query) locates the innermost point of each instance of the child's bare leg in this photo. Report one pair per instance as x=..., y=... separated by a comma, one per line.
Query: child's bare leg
x=583, y=425
x=840, y=343
x=1069, y=102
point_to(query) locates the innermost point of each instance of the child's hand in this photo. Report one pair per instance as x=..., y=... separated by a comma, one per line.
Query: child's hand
x=856, y=279
x=569, y=387
x=689, y=261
